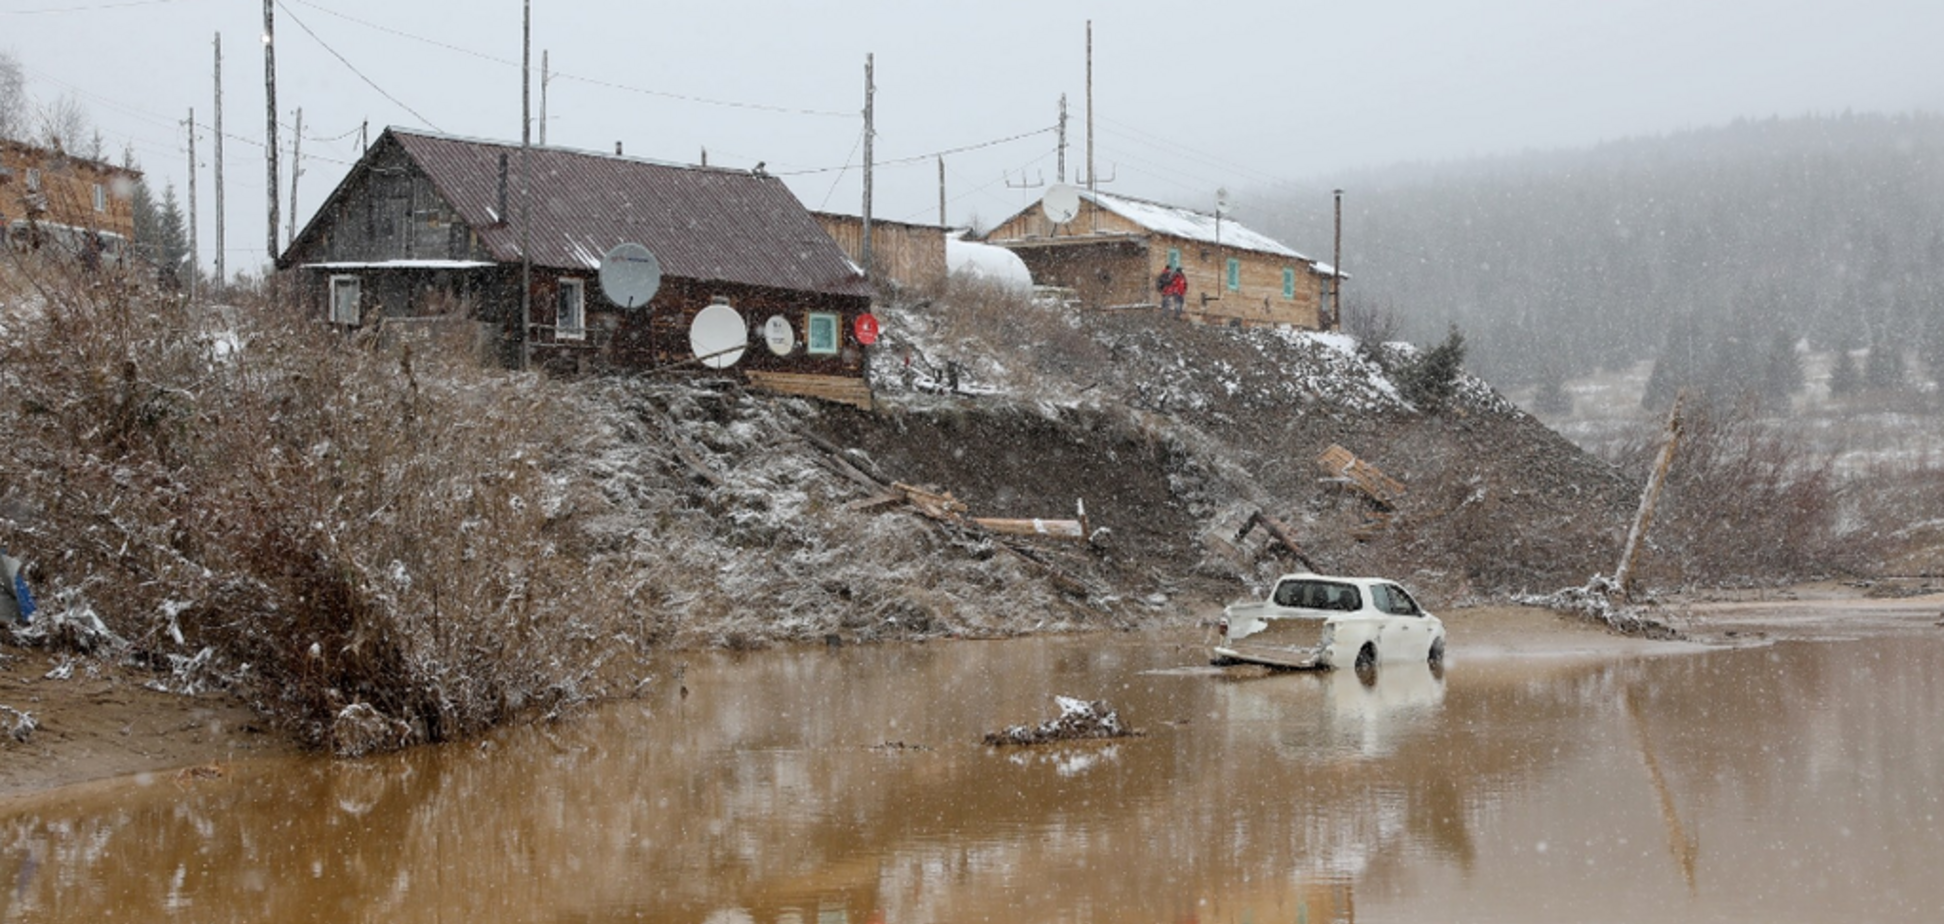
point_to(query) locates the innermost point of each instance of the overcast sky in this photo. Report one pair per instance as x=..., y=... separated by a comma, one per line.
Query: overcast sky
x=1189, y=97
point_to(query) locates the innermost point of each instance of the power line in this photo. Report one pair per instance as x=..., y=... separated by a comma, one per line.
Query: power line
x=915, y=158
x=593, y=81
x=353, y=68
x=85, y=9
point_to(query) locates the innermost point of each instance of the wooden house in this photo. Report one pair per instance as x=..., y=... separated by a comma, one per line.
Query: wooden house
x=426, y=225
x=909, y=256
x=82, y=207
x=1113, y=249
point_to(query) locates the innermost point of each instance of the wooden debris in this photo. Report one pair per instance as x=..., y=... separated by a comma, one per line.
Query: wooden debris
x=1275, y=528
x=1079, y=720
x=1341, y=464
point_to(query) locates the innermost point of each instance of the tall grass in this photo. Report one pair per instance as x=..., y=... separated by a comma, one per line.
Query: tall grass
x=366, y=538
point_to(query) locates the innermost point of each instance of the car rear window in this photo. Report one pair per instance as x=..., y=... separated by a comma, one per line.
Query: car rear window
x=1319, y=595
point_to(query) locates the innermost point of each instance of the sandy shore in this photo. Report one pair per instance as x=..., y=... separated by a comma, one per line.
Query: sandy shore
x=99, y=721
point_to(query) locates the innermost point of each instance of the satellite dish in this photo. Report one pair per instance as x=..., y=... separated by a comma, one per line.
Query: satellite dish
x=1223, y=202
x=780, y=336
x=866, y=328
x=630, y=275
x=1060, y=203
x=718, y=336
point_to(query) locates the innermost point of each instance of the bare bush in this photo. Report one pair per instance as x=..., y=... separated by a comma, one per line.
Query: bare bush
x=1745, y=500
x=346, y=525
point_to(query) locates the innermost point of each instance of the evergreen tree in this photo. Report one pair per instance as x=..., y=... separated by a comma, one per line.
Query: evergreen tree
x=148, y=221
x=172, y=240
x=1552, y=397
x=1781, y=370
x=1883, y=368
x=1844, y=380
x=1674, y=368
x=1432, y=379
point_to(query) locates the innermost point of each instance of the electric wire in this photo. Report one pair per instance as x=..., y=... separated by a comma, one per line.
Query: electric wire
x=353, y=68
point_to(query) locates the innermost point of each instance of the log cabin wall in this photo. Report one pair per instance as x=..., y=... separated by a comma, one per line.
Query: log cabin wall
x=47, y=187
x=908, y=256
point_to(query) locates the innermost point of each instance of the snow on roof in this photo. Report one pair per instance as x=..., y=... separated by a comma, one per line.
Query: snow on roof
x=403, y=264
x=1188, y=224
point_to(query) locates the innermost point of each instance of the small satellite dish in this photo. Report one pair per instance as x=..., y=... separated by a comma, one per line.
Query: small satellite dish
x=1060, y=203
x=630, y=275
x=1224, y=203
x=718, y=336
x=866, y=328
x=780, y=336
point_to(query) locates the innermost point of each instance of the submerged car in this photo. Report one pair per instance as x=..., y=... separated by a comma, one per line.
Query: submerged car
x=1320, y=621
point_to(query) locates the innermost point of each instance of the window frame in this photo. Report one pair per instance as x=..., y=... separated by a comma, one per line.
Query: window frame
x=100, y=198
x=832, y=327
x=1174, y=258
x=33, y=179
x=356, y=284
x=578, y=329
x=1232, y=275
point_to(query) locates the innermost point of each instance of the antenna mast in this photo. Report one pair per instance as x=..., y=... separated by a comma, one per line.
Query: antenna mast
x=1063, y=121
x=222, y=278
x=870, y=90
x=195, y=259
x=296, y=169
x=270, y=106
x=1090, y=109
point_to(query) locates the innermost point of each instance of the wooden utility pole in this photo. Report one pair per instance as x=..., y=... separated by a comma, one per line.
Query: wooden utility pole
x=1644, y=517
x=543, y=97
x=941, y=190
x=222, y=278
x=270, y=122
x=1063, y=121
x=195, y=259
x=1336, y=269
x=869, y=131
x=296, y=169
x=526, y=132
x=1090, y=109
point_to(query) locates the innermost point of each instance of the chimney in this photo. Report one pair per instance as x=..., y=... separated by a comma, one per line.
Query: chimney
x=617, y=149
x=500, y=216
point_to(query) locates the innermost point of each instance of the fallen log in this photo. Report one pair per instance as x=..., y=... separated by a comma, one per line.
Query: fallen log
x=1282, y=534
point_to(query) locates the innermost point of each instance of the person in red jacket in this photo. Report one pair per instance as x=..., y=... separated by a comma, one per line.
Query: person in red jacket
x=1174, y=290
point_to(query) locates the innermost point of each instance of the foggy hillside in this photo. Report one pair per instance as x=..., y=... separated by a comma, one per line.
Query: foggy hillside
x=1829, y=228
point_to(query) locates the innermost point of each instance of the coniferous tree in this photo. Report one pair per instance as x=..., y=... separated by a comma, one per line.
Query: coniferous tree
x=172, y=240
x=1432, y=379
x=1781, y=370
x=1883, y=369
x=1844, y=380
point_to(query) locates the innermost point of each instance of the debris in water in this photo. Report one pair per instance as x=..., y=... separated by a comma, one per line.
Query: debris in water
x=1079, y=719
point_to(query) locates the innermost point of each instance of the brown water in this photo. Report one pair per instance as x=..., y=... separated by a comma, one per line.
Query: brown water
x=1800, y=781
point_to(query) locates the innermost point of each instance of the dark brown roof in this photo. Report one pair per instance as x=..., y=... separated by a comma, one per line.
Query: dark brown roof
x=700, y=222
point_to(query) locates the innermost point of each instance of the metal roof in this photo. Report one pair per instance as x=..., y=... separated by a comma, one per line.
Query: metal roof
x=700, y=222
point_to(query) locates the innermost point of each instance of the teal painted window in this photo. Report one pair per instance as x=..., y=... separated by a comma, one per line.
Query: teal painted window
x=1174, y=257
x=1289, y=282
x=1234, y=275
x=821, y=340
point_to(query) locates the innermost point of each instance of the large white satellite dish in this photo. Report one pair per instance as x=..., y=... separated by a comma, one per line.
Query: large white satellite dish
x=630, y=275
x=718, y=336
x=1060, y=203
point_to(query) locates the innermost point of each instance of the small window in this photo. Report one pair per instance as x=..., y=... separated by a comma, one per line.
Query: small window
x=1234, y=274
x=1174, y=258
x=33, y=179
x=346, y=292
x=1289, y=282
x=821, y=334
x=100, y=198
x=571, y=321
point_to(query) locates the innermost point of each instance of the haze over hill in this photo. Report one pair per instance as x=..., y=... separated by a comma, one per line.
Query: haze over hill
x=1714, y=241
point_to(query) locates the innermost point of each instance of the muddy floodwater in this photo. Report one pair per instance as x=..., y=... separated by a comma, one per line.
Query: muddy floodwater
x=1786, y=780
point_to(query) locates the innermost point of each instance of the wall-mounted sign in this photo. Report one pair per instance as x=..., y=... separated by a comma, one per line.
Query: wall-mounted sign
x=780, y=336
x=866, y=329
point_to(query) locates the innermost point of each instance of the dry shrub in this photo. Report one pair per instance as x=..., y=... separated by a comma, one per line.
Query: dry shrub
x=1745, y=500
x=1007, y=321
x=343, y=524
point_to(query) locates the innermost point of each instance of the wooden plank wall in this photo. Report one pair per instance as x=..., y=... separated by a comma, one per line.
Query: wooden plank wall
x=66, y=194
x=907, y=255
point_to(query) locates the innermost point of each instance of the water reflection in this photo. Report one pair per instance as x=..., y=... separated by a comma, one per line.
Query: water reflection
x=850, y=785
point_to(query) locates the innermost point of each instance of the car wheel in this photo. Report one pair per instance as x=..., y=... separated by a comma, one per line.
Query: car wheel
x=1437, y=652
x=1223, y=662
x=1367, y=656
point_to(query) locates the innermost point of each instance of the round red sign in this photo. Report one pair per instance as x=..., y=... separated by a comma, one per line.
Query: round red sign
x=866, y=329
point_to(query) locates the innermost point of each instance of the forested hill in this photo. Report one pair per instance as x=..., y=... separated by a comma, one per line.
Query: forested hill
x=1830, y=228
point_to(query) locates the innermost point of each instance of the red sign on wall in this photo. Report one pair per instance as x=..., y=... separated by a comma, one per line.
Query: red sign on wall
x=866, y=329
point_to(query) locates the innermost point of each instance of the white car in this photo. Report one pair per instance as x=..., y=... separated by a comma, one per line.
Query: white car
x=1320, y=621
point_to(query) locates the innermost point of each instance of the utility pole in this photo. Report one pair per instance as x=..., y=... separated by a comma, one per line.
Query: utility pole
x=1336, y=269
x=1063, y=120
x=869, y=131
x=270, y=121
x=526, y=132
x=543, y=97
x=1090, y=109
x=195, y=259
x=222, y=278
x=941, y=190
x=296, y=169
